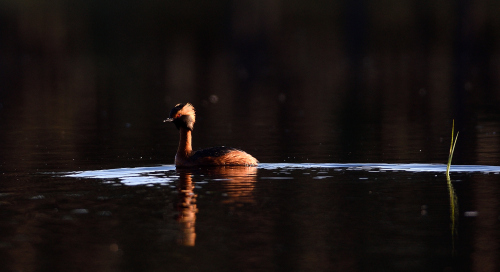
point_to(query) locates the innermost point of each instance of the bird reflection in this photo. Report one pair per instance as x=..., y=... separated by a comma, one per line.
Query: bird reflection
x=236, y=182
x=186, y=207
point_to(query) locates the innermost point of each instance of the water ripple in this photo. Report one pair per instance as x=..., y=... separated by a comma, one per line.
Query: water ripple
x=407, y=167
x=131, y=176
x=166, y=173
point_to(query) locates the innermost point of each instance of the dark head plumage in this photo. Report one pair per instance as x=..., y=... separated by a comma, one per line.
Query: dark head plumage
x=183, y=116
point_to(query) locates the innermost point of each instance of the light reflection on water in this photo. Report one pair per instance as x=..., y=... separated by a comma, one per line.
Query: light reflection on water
x=167, y=173
x=133, y=176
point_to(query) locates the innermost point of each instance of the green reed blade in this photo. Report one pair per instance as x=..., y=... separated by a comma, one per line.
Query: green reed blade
x=452, y=148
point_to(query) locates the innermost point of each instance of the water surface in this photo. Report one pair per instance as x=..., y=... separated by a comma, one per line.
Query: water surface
x=368, y=217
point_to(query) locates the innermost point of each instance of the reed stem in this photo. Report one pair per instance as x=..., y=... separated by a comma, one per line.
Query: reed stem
x=452, y=149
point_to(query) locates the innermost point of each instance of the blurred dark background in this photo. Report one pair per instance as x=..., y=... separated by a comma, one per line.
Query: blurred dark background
x=86, y=84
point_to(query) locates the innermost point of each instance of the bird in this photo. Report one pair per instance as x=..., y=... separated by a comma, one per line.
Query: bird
x=183, y=116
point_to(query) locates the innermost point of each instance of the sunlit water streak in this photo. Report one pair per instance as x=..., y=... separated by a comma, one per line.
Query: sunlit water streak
x=165, y=174
x=132, y=176
x=380, y=167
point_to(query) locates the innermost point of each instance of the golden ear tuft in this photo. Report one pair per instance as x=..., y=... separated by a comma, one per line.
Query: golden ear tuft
x=188, y=109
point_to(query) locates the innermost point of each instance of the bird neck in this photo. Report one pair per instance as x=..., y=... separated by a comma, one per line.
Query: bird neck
x=185, y=149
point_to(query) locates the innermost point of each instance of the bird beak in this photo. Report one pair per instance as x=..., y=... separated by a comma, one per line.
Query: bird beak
x=168, y=120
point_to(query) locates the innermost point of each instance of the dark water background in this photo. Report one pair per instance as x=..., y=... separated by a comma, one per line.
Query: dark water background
x=85, y=85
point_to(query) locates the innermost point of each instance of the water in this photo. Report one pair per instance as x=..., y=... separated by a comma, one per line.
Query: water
x=374, y=217
x=348, y=107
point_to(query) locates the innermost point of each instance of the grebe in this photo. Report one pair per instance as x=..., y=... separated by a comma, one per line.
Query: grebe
x=183, y=116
